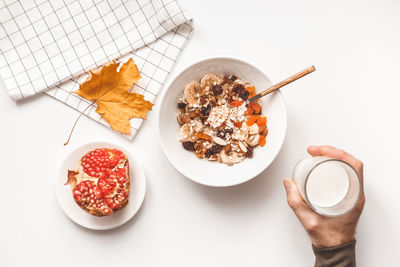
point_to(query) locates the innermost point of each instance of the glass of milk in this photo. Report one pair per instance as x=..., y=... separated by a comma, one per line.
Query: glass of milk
x=330, y=186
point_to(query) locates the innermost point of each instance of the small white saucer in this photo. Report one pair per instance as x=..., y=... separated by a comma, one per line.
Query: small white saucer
x=79, y=216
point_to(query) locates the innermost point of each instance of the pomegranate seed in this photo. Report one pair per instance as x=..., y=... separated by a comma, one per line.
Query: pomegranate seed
x=98, y=194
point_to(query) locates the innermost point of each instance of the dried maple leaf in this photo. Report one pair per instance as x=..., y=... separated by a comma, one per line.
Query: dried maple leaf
x=109, y=88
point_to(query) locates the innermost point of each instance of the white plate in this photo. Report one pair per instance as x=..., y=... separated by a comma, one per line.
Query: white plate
x=81, y=217
x=213, y=173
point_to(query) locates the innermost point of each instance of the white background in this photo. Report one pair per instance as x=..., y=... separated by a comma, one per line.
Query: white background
x=352, y=102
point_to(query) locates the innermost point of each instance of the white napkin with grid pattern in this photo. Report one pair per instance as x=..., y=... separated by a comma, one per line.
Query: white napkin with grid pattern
x=49, y=45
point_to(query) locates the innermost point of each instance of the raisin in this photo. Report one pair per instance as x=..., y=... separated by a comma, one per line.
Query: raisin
x=208, y=153
x=232, y=78
x=228, y=130
x=244, y=95
x=188, y=145
x=216, y=89
x=249, y=152
x=203, y=100
x=238, y=88
x=224, y=80
x=216, y=149
x=221, y=134
x=206, y=110
x=182, y=105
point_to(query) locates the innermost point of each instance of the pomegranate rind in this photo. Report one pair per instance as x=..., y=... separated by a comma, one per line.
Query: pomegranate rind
x=75, y=177
x=71, y=178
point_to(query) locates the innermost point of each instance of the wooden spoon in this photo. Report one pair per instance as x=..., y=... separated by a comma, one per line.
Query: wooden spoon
x=283, y=83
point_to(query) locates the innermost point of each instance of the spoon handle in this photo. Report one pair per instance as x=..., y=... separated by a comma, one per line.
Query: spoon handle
x=283, y=83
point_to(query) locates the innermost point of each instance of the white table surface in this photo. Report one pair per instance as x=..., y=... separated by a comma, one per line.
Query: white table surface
x=352, y=102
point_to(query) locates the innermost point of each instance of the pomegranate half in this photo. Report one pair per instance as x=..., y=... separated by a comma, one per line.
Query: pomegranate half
x=101, y=184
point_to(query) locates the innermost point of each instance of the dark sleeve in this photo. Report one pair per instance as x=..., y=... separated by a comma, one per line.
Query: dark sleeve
x=339, y=256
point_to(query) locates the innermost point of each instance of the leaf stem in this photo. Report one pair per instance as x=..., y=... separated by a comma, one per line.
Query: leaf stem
x=76, y=121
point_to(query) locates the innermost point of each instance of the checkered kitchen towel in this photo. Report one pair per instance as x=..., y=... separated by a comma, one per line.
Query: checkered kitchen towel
x=49, y=45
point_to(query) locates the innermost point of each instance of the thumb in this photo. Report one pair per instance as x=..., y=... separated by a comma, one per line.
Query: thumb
x=292, y=194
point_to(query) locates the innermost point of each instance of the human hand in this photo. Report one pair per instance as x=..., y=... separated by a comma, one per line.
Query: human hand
x=326, y=231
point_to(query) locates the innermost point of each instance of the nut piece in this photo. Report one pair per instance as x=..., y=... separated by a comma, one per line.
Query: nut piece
x=242, y=147
x=228, y=149
x=253, y=129
x=184, y=132
x=253, y=140
x=219, y=141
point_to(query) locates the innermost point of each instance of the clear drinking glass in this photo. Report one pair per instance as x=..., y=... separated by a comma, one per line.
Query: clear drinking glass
x=330, y=186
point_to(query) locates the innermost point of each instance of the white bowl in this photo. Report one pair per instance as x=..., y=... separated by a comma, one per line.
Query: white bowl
x=81, y=217
x=214, y=173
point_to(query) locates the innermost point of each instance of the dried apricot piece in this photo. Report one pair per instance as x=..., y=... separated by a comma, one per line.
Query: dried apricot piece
x=249, y=111
x=262, y=140
x=238, y=124
x=256, y=107
x=252, y=119
x=203, y=136
x=250, y=89
x=236, y=103
x=262, y=121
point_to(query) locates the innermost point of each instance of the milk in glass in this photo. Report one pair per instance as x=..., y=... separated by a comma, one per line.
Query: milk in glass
x=330, y=186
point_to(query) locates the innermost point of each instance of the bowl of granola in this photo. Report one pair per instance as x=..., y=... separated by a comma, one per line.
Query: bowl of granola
x=208, y=129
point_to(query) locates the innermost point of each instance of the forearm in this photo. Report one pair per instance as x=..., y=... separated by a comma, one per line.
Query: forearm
x=338, y=256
